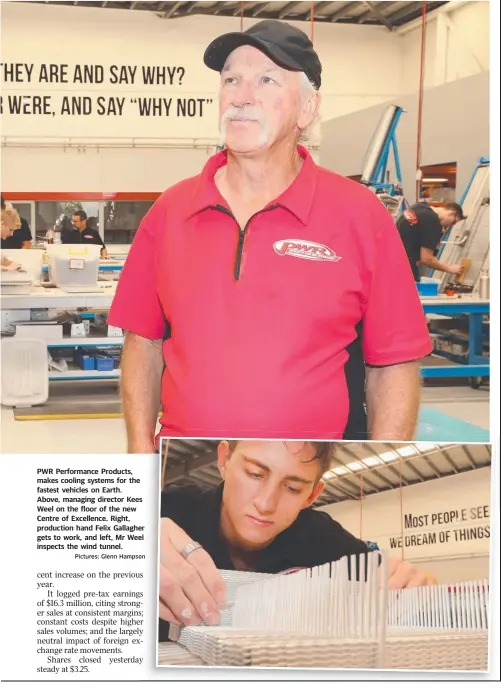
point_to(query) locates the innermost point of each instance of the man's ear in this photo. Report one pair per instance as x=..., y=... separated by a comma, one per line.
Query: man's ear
x=223, y=456
x=315, y=493
x=309, y=109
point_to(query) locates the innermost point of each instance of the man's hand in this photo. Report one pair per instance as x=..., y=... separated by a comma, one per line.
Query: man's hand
x=404, y=575
x=455, y=269
x=190, y=589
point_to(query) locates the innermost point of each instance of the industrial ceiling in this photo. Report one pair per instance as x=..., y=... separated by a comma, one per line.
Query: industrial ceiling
x=389, y=14
x=359, y=468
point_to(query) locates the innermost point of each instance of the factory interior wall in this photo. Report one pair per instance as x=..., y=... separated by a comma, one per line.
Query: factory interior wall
x=457, y=45
x=455, y=128
x=38, y=34
x=353, y=82
x=448, y=509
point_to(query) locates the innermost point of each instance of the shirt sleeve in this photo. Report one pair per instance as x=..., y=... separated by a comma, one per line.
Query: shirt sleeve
x=136, y=306
x=394, y=325
x=337, y=541
x=430, y=230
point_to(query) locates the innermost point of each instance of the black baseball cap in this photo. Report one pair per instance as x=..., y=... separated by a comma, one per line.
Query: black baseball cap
x=287, y=46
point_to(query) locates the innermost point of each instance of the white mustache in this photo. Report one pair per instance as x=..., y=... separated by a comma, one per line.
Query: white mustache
x=247, y=112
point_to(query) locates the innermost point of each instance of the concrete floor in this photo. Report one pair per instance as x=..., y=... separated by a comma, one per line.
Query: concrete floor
x=454, y=414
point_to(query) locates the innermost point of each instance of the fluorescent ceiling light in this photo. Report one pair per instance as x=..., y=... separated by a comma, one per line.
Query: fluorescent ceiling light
x=388, y=456
x=409, y=450
x=426, y=446
x=328, y=475
x=371, y=461
x=435, y=179
x=340, y=470
x=354, y=466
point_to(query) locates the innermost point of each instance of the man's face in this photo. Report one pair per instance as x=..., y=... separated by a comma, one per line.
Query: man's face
x=260, y=103
x=448, y=218
x=266, y=484
x=8, y=223
x=78, y=223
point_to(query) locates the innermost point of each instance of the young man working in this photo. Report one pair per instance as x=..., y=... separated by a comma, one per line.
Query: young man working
x=258, y=519
x=421, y=228
x=261, y=270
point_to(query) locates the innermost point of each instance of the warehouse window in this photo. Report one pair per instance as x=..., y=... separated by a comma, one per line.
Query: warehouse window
x=122, y=220
x=439, y=183
x=49, y=213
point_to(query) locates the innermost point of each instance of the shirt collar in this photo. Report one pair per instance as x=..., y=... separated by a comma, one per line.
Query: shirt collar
x=297, y=198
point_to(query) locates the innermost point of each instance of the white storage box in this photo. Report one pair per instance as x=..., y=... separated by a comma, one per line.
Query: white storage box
x=25, y=377
x=30, y=260
x=39, y=330
x=73, y=265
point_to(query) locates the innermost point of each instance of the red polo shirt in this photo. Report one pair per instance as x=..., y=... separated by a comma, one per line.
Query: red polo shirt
x=260, y=317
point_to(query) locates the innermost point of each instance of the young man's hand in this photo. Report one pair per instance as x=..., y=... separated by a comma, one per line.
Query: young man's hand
x=404, y=575
x=190, y=589
x=455, y=269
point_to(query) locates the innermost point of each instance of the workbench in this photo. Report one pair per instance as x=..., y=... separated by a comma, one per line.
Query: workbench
x=476, y=366
x=57, y=299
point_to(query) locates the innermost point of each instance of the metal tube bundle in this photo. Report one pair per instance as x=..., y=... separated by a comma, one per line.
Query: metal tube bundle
x=339, y=615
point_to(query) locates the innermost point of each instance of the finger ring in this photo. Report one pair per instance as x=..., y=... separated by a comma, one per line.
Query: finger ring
x=191, y=547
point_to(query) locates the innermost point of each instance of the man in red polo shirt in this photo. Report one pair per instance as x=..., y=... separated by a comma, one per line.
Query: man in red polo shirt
x=250, y=288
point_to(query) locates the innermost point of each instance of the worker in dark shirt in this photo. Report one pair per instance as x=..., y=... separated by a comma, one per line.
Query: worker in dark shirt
x=21, y=237
x=421, y=228
x=258, y=519
x=81, y=234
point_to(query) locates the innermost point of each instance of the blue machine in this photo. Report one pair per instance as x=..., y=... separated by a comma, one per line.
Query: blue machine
x=376, y=174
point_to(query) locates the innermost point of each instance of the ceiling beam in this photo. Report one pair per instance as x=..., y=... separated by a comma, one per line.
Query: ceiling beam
x=470, y=458
x=306, y=16
x=261, y=6
x=174, y=473
x=449, y=460
x=356, y=473
x=168, y=14
x=369, y=13
x=379, y=16
x=285, y=9
x=322, y=6
x=339, y=12
x=404, y=11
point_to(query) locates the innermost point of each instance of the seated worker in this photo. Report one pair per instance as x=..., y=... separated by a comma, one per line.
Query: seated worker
x=421, y=228
x=258, y=519
x=81, y=234
x=9, y=222
x=21, y=238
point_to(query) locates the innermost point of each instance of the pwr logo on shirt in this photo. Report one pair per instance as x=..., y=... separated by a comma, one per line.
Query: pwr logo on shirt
x=304, y=249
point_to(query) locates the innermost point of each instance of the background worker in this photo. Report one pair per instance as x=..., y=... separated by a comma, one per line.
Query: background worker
x=258, y=519
x=9, y=222
x=421, y=228
x=21, y=238
x=82, y=234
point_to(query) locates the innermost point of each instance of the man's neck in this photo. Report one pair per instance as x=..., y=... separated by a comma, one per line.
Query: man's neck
x=257, y=180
